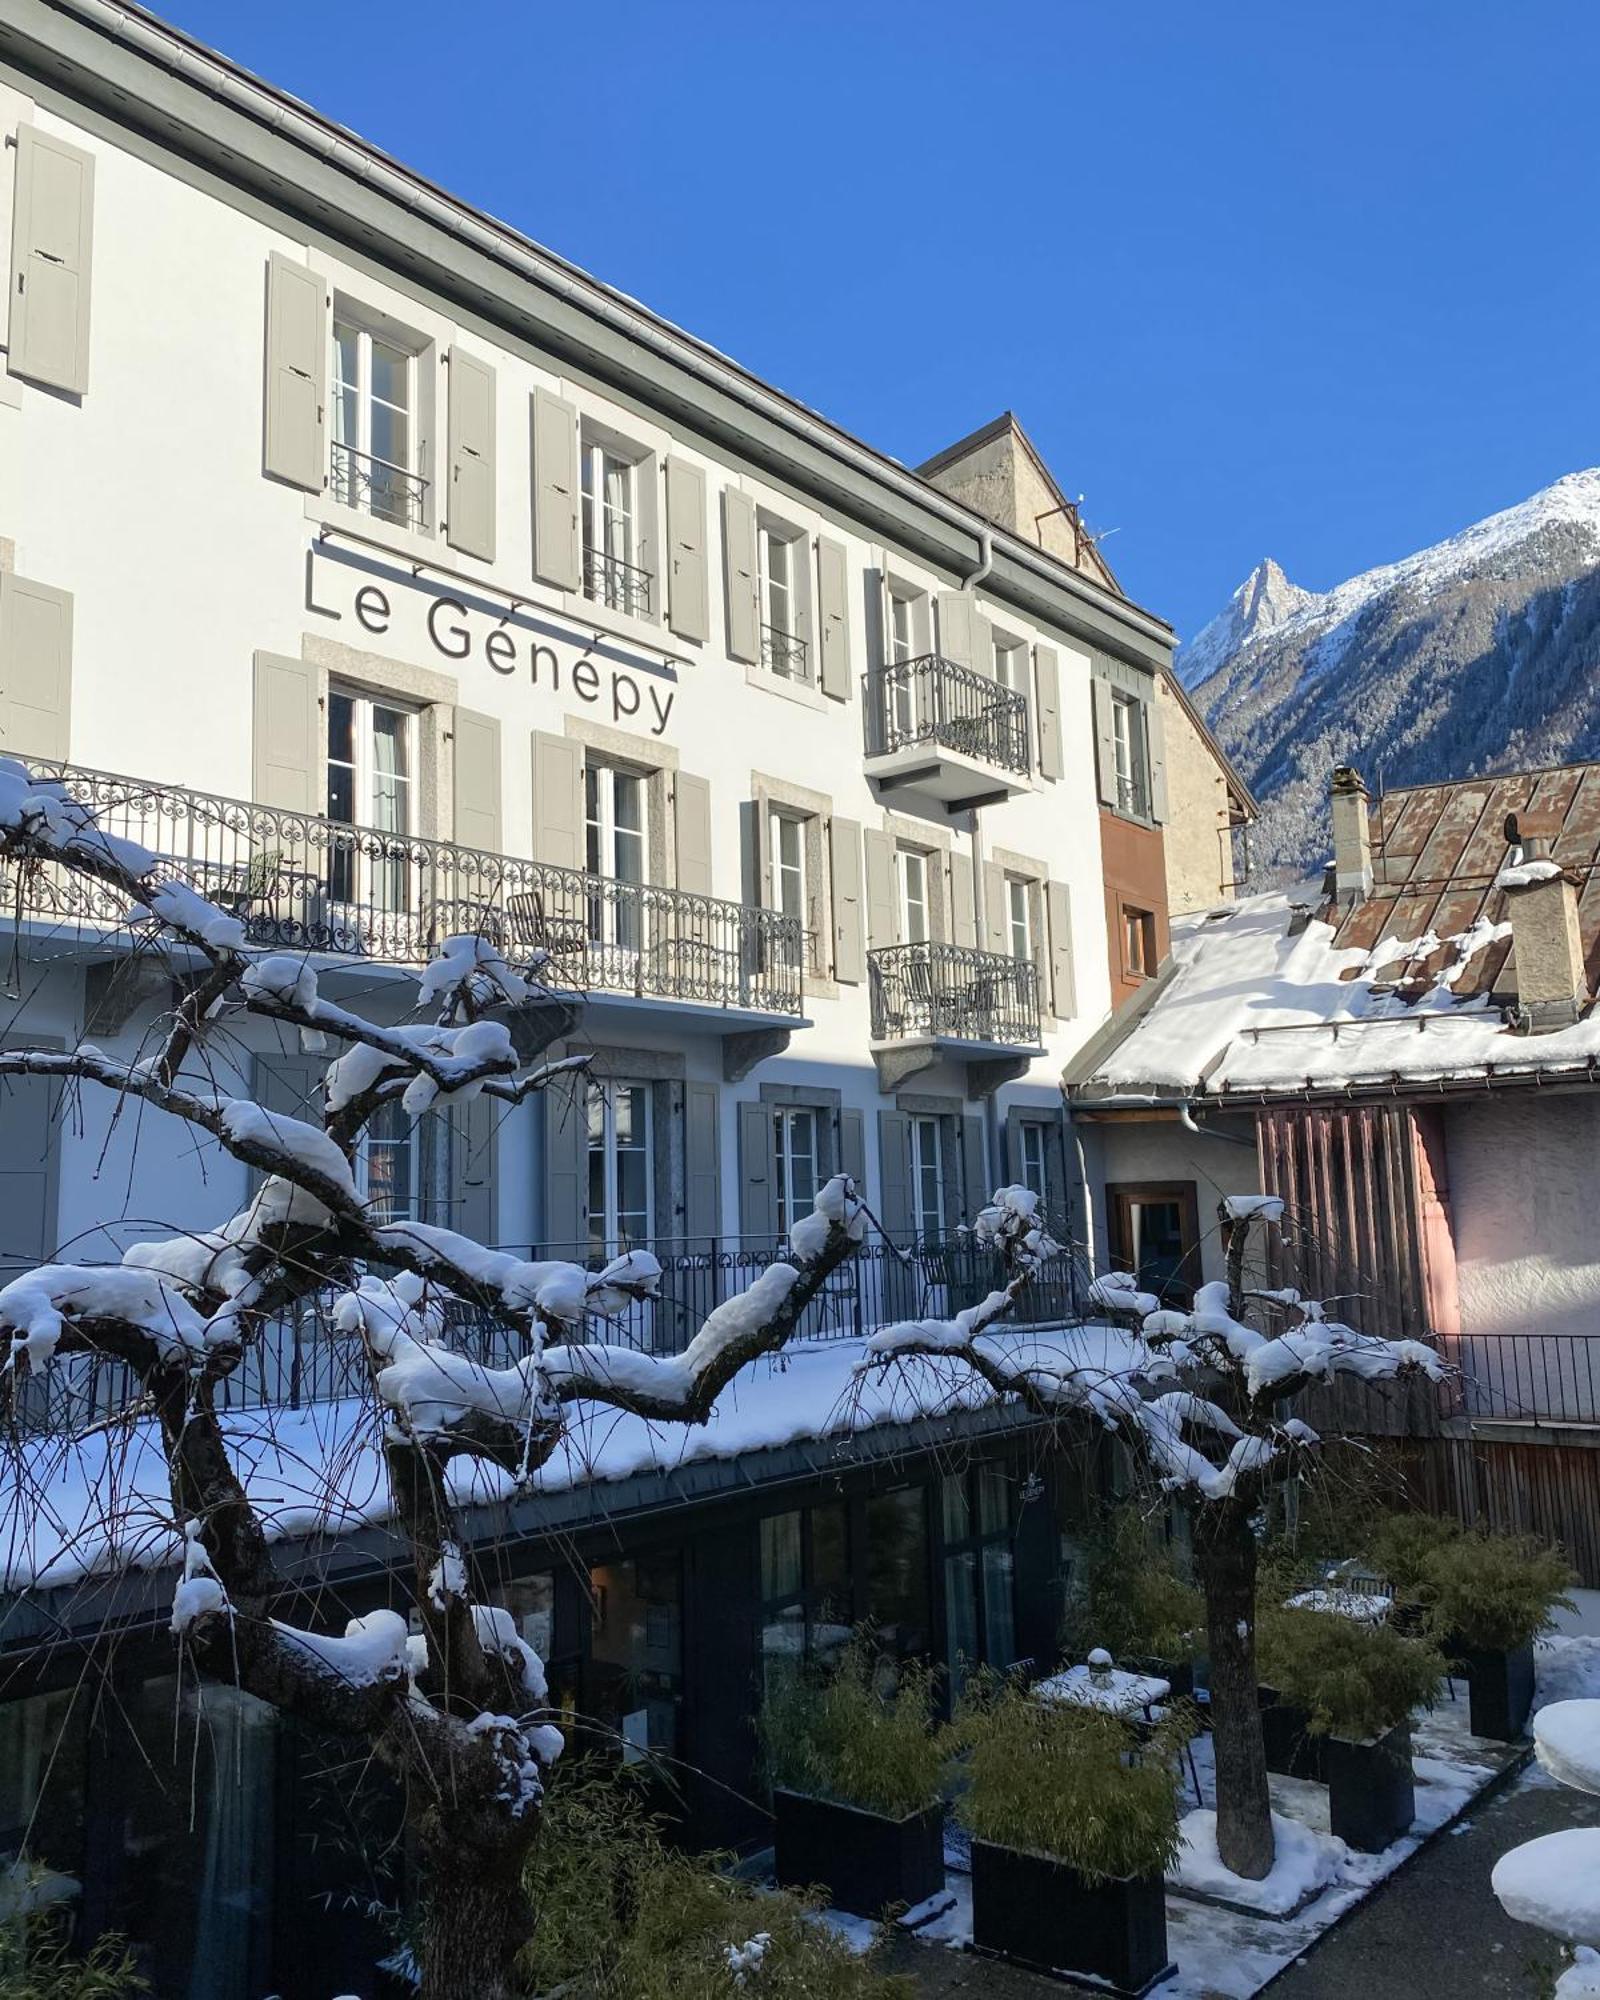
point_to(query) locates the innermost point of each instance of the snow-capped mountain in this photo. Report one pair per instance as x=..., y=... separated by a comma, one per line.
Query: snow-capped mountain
x=1481, y=653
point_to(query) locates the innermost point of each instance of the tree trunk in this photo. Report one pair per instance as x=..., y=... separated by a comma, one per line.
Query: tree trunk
x=474, y=1912
x=1225, y=1554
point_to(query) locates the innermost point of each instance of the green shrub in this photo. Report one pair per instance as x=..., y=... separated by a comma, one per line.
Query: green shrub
x=1402, y=1546
x=36, y=1962
x=621, y=1916
x=1132, y=1600
x=859, y=1732
x=1492, y=1591
x=1352, y=1679
x=1071, y=1783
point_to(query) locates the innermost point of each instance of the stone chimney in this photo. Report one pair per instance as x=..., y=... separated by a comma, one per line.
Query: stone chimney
x=1352, y=836
x=1546, y=940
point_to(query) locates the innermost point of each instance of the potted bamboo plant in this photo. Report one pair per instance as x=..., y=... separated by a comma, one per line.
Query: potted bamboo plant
x=1355, y=1683
x=857, y=1774
x=1073, y=1814
x=1488, y=1598
x=1132, y=1602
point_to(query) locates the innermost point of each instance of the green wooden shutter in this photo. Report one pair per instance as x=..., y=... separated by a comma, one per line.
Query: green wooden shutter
x=956, y=634
x=476, y=781
x=289, y=753
x=1047, y=677
x=557, y=539
x=963, y=908
x=1105, y=748
x=758, y=1201
x=883, y=906
x=297, y=367
x=853, y=1147
x=1156, y=743
x=474, y=1142
x=470, y=451
x=740, y=575
x=693, y=816
x=688, y=588
x=35, y=667
x=975, y=1189
x=52, y=246
x=996, y=934
x=894, y=1174
x=833, y=619
x=557, y=800
x=849, y=928
x=1063, y=984
x=566, y=1166
x=702, y=1162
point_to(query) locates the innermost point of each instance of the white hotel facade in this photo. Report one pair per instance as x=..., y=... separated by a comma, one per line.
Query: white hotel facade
x=398, y=579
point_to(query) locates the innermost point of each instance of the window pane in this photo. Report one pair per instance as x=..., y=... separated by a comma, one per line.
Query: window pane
x=955, y=1507
x=531, y=1600
x=961, y=1615
x=830, y=1554
x=994, y=1501
x=897, y=1569
x=341, y=726
x=999, y=1615
x=391, y=441
x=391, y=374
x=780, y=1555
x=636, y=1647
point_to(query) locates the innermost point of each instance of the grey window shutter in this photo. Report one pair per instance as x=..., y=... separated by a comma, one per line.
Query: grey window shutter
x=883, y=908
x=754, y=860
x=996, y=928
x=474, y=1140
x=975, y=1188
x=688, y=588
x=849, y=928
x=1063, y=985
x=1156, y=743
x=853, y=1148
x=52, y=250
x=476, y=781
x=291, y=1085
x=297, y=368
x=758, y=1205
x=35, y=667
x=1105, y=748
x=30, y=1168
x=1047, y=677
x=957, y=637
x=557, y=800
x=470, y=440
x=833, y=619
x=289, y=753
x=693, y=796
x=741, y=575
x=963, y=910
x=566, y=1166
x=894, y=1174
x=702, y=1162
x=557, y=541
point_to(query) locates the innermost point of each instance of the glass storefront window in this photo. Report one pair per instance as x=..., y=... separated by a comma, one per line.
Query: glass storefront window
x=897, y=1568
x=979, y=1584
x=636, y=1647
x=43, y=1747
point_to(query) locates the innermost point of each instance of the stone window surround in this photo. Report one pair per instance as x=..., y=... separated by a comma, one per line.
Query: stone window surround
x=660, y=763
x=938, y=842
x=826, y=1101
x=663, y=1071
x=1036, y=874
x=816, y=808
x=435, y=696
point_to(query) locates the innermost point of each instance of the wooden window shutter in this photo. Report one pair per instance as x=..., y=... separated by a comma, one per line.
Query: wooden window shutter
x=1047, y=678
x=290, y=770
x=35, y=667
x=741, y=575
x=557, y=800
x=693, y=820
x=853, y=1148
x=1156, y=748
x=30, y=1170
x=833, y=619
x=849, y=925
x=975, y=1189
x=996, y=915
x=474, y=1140
x=297, y=369
x=470, y=449
x=702, y=1162
x=557, y=538
x=292, y=1087
x=1063, y=983
x=1105, y=746
x=688, y=588
x=476, y=782
x=566, y=1165
x=52, y=247
x=883, y=906
x=956, y=628
x=894, y=1173
x=963, y=910
x=758, y=1205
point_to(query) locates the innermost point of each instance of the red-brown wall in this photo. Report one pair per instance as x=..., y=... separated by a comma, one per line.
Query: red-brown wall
x=1134, y=865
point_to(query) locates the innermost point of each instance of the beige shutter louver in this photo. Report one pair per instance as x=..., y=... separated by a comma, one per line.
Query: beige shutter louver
x=476, y=782
x=557, y=537
x=849, y=927
x=294, y=448
x=1047, y=677
x=740, y=575
x=833, y=618
x=289, y=753
x=52, y=248
x=470, y=450
x=35, y=668
x=688, y=586
x=693, y=833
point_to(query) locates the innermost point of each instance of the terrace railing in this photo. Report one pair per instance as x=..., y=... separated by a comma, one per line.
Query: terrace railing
x=949, y=990
x=934, y=701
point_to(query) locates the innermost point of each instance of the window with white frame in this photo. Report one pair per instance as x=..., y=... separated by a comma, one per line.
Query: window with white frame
x=780, y=555
x=1011, y=663
x=612, y=573
x=374, y=445
x=927, y=1178
x=1035, y=1158
x=1019, y=917
x=371, y=782
x=786, y=835
x=902, y=650
x=621, y=1167
x=796, y=1153
x=1130, y=744
x=911, y=865
x=389, y=1165
x=616, y=837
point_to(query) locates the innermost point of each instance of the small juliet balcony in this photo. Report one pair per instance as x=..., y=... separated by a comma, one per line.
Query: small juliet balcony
x=948, y=1000
x=945, y=731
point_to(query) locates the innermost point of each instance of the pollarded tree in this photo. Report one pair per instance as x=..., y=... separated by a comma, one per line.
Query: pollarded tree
x=1206, y=1397
x=456, y=1713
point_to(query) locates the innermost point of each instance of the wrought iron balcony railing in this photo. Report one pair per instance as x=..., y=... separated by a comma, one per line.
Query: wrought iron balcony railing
x=619, y=586
x=950, y=991
x=301, y=882
x=932, y=700
x=374, y=486
x=783, y=653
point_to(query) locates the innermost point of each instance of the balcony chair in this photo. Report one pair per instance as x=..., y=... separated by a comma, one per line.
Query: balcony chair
x=529, y=928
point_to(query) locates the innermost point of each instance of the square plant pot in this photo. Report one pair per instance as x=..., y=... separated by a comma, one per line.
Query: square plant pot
x=1042, y=1914
x=865, y=1860
x=1371, y=1788
x=1292, y=1751
x=1500, y=1687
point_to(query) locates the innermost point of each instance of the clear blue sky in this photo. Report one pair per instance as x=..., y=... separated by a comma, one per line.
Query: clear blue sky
x=1309, y=278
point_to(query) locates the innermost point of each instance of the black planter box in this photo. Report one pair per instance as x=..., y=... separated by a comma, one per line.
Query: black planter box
x=1292, y=1751
x=864, y=1860
x=1500, y=1686
x=1042, y=1914
x=1371, y=1788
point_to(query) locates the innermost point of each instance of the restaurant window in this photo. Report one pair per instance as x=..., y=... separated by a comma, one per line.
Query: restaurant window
x=805, y=1584
x=43, y=1752
x=979, y=1592
x=636, y=1651
x=1153, y=1230
x=897, y=1569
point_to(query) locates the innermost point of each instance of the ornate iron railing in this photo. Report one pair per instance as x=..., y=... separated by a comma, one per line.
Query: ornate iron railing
x=302, y=882
x=374, y=486
x=949, y=990
x=619, y=586
x=932, y=700
x=784, y=653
